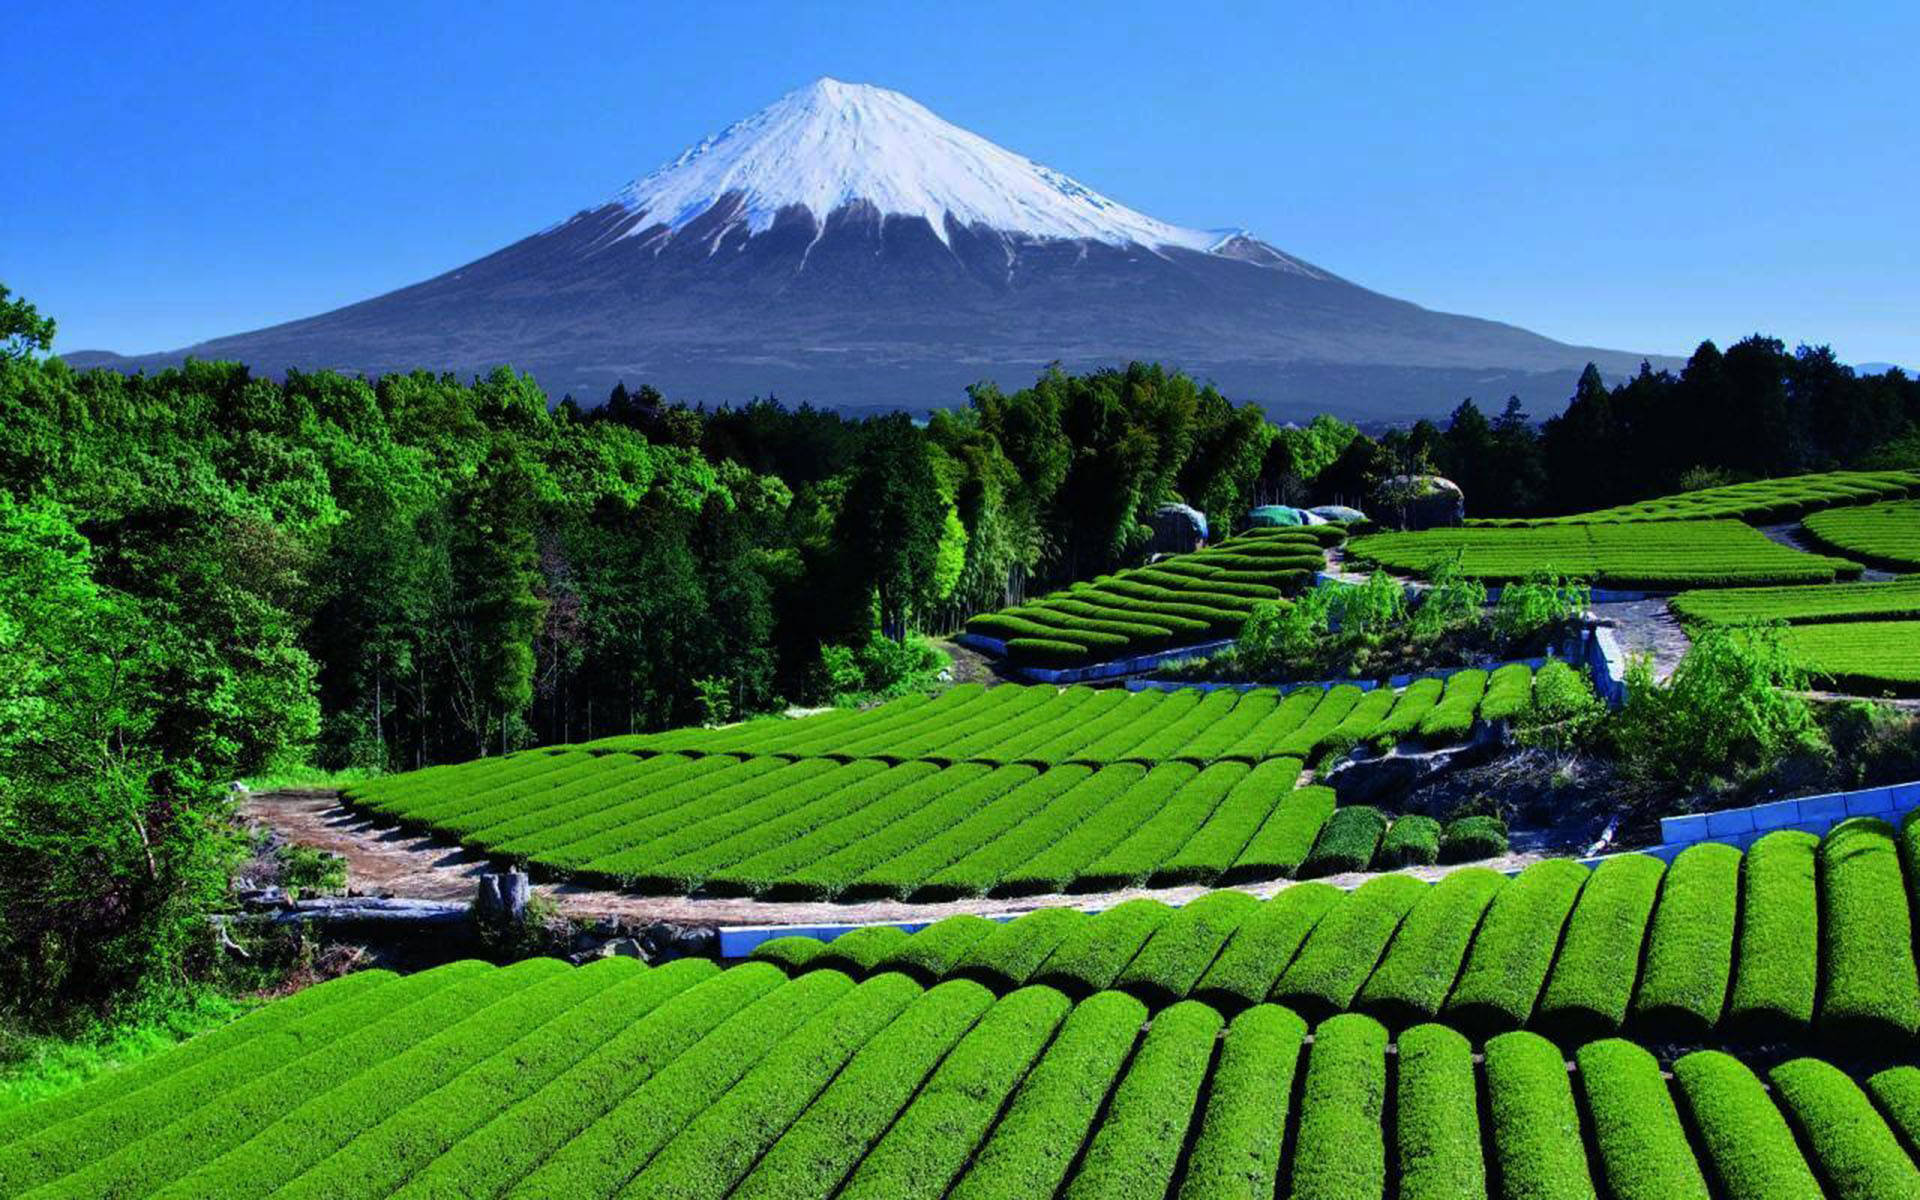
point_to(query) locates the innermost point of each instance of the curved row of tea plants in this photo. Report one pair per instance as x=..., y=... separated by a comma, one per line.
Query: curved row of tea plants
x=1652, y=555
x=1809, y=604
x=1114, y=790
x=1178, y=601
x=685, y=1081
x=1800, y=937
x=1886, y=535
x=1761, y=501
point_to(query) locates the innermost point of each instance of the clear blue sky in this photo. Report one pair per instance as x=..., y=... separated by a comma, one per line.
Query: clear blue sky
x=1634, y=175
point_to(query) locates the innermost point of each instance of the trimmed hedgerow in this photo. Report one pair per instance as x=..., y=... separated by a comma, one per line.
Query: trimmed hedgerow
x=1592, y=979
x=1507, y=966
x=1468, y=839
x=1437, y=1143
x=379, y=1161
x=1051, y=652
x=1138, y=857
x=904, y=874
x=1424, y=959
x=1341, y=1153
x=1137, y=1147
x=792, y=952
x=1896, y=1091
x=1750, y=1151
x=1637, y=1136
x=312, y=1130
x=1777, y=969
x=1030, y=1150
x=721, y=1144
x=1093, y=955
x=1408, y=711
x=1509, y=693
x=1358, y=725
x=1236, y=1154
x=1342, y=949
x=1855, y=1154
x=1181, y=950
x=1218, y=843
x=1286, y=837
x=638, y=1120
x=1683, y=983
x=1264, y=945
x=1412, y=840
x=932, y=1140
x=225, y=1099
x=1054, y=868
x=1328, y=713
x=931, y=954
x=858, y=950
x=1537, y=1140
x=1347, y=841
x=1452, y=719
x=1007, y=957
x=1870, y=991
x=744, y=1010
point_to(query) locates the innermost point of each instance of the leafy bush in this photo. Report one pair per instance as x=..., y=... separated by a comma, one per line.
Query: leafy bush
x=1683, y=984
x=1237, y=1149
x=1264, y=945
x=1729, y=705
x=1855, y=1152
x=1412, y=839
x=1537, y=1140
x=1347, y=841
x=1344, y=946
x=1514, y=947
x=1136, y=1149
x=1778, y=964
x=1438, y=1147
x=1467, y=839
x=1870, y=994
x=1588, y=991
x=1452, y=601
x=1753, y=1151
x=1538, y=606
x=1642, y=1147
x=1565, y=713
x=1424, y=959
x=1341, y=1152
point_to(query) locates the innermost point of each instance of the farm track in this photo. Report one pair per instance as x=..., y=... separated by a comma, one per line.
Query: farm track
x=1792, y=535
x=384, y=858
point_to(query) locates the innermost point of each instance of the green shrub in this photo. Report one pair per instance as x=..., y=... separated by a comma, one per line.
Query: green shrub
x=1031, y=1149
x=1854, y=1152
x=1896, y=1091
x=1508, y=963
x=1593, y=976
x=1048, y=652
x=1091, y=957
x=1006, y=958
x=1689, y=958
x=932, y=1141
x=932, y=953
x=1750, y=1149
x=1341, y=952
x=1642, y=1147
x=791, y=952
x=1468, y=839
x=1538, y=605
x=1236, y=1152
x=1347, y=841
x=1411, y=840
x=1778, y=965
x=1452, y=719
x=1263, y=946
x=858, y=951
x=1509, y=693
x=1286, y=837
x=1870, y=990
x=1180, y=951
x=1437, y=1118
x=1537, y=1139
x=1409, y=709
x=1219, y=843
x=1565, y=714
x=1341, y=1153
x=1136, y=1149
x=1425, y=957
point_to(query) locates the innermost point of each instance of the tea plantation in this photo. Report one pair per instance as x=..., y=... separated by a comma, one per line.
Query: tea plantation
x=1005, y=791
x=617, y=1079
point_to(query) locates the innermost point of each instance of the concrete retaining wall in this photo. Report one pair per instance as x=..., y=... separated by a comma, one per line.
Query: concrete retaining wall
x=1814, y=814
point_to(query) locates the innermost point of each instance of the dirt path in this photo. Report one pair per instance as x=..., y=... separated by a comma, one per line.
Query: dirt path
x=1648, y=627
x=383, y=859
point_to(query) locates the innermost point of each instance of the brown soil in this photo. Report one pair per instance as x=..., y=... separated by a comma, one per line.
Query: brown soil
x=384, y=859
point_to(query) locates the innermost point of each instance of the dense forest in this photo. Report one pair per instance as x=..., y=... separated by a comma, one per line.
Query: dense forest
x=206, y=574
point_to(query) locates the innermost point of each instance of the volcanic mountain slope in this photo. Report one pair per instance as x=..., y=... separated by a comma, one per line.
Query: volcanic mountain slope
x=848, y=247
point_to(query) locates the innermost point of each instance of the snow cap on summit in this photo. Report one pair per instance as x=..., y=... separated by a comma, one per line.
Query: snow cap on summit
x=830, y=144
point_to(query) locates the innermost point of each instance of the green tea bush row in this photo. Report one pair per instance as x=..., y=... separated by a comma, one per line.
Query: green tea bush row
x=1508, y=964
x=1424, y=959
x=1341, y=1152
x=1535, y=1127
x=1870, y=989
x=1134, y=1152
x=1347, y=841
x=1170, y=964
x=1345, y=945
x=1236, y=1152
x=1749, y=1148
x=1689, y=955
x=1412, y=840
x=1437, y=1145
x=1853, y=1151
x=1452, y=718
x=1777, y=970
x=1591, y=983
x=1639, y=1141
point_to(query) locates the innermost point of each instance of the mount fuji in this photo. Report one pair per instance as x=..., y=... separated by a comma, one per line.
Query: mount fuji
x=848, y=247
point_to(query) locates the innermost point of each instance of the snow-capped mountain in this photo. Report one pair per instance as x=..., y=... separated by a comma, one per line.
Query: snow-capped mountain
x=846, y=246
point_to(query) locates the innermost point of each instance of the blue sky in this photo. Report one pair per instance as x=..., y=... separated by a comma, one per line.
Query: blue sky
x=1630, y=175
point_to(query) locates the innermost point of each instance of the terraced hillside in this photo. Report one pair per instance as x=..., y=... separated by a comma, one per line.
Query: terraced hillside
x=1005, y=791
x=685, y=1081
x=1801, y=937
x=1861, y=637
x=1653, y=555
x=1885, y=535
x=1761, y=501
x=1179, y=601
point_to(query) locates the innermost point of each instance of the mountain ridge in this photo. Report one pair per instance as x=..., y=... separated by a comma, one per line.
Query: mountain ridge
x=846, y=246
